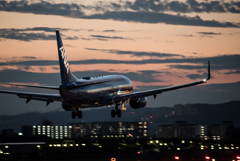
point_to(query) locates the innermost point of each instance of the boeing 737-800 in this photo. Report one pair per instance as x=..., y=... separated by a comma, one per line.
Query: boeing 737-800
x=86, y=92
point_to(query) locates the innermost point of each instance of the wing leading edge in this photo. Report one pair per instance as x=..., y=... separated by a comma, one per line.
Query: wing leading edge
x=155, y=92
x=48, y=98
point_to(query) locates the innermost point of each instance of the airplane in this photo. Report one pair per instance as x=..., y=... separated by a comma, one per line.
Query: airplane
x=86, y=92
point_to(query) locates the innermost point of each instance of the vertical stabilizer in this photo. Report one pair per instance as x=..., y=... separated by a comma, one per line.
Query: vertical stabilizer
x=66, y=75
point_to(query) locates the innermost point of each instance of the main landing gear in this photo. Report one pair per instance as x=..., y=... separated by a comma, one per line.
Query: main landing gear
x=77, y=114
x=116, y=112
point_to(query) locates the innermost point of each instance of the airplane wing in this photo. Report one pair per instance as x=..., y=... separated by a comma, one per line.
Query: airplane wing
x=155, y=92
x=48, y=98
x=34, y=86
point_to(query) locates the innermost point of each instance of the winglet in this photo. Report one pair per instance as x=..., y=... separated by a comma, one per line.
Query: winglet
x=209, y=74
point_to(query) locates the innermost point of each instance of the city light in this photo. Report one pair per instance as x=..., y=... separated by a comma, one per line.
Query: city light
x=238, y=157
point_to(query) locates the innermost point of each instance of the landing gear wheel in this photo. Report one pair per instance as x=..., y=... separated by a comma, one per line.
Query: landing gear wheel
x=79, y=114
x=119, y=113
x=74, y=114
x=113, y=113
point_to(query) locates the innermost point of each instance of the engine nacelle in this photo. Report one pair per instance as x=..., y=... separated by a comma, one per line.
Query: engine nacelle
x=67, y=107
x=138, y=103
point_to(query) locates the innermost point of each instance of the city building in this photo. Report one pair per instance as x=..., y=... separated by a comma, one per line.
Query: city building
x=49, y=130
x=182, y=130
x=223, y=131
x=186, y=109
x=89, y=130
x=110, y=129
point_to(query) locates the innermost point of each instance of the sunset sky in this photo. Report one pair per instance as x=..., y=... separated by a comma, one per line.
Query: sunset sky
x=155, y=43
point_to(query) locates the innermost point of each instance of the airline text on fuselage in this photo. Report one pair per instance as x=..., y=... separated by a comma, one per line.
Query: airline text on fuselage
x=64, y=57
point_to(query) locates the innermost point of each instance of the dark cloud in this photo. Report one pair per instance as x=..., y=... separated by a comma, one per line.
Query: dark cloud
x=143, y=11
x=208, y=34
x=29, y=57
x=30, y=63
x=152, y=17
x=187, y=35
x=30, y=34
x=136, y=53
x=217, y=63
x=196, y=76
x=108, y=38
x=233, y=72
x=184, y=7
x=19, y=35
x=109, y=31
x=233, y=7
x=42, y=7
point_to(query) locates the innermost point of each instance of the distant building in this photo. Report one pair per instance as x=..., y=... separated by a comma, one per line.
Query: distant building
x=49, y=130
x=182, y=130
x=7, y=132
x=90, y=130
x=221, y=131
x=186, y=109
x=110, y=129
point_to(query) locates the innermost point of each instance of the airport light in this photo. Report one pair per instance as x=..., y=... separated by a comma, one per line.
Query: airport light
x=207, y=158
x=176, y=158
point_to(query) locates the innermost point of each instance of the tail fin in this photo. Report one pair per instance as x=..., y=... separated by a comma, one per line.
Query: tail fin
x=66, y=75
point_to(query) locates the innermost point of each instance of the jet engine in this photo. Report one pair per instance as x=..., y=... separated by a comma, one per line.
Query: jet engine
x=67, y=107
x=138, y=103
